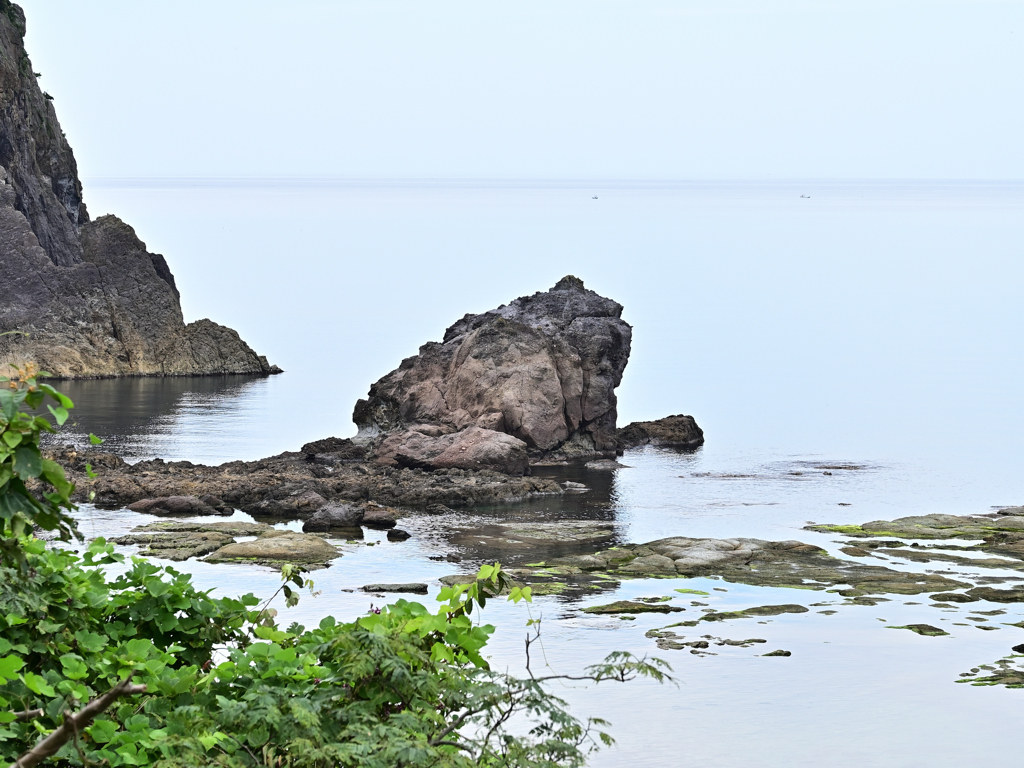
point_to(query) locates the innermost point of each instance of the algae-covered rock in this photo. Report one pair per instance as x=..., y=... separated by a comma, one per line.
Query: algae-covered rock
x=631, y=606
x=778, y=653
x=953, y=597
x=761, y=610
x=1013, y=595
x=176, y=546
x=923, y=629
x=413, y=588
x=230, y=528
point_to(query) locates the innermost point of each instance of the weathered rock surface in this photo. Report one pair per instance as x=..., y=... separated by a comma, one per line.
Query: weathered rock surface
x=91, y=297
x=632, y=606
x=276, y=547
x=176, y=505
x=791, y=564
x=542, y=368
x=670, y=432
x=333, y=517
x=471, y=448
x=412, y=588
x=285, y=478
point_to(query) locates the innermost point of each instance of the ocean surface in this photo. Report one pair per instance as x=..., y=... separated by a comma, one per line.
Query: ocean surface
x=873, y=326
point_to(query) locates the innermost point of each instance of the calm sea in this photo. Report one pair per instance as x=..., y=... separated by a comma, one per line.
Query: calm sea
x=803, y=323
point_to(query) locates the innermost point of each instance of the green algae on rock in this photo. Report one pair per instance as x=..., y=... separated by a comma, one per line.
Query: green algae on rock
x=762, y=610
x=631, y=606
x=923, y=629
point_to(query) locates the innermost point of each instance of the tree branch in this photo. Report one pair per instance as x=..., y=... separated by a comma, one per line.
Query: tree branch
x=82, y=719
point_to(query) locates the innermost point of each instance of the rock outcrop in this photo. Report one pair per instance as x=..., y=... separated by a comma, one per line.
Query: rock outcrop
x=85, y=298
x=670, y=432
x=542, y=369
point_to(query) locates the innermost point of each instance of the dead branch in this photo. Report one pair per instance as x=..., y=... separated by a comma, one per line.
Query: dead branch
x=74, y=724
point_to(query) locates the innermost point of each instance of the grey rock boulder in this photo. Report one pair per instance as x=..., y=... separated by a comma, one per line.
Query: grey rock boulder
x=333, y=517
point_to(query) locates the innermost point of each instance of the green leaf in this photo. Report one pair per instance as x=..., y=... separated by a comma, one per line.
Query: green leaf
x=60, y=414
x=61, y=398
x=38, y=684
x=13, y=439
x=90, y=642
x=74, y=666
x=27, y=462
x=102, y=731
x=95, y=440
x=9, y=666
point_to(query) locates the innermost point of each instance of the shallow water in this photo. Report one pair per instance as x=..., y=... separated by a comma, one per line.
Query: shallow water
x=870, y=330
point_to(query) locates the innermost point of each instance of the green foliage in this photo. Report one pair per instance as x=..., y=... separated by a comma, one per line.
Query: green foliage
x=33, y=490
x=224, y=684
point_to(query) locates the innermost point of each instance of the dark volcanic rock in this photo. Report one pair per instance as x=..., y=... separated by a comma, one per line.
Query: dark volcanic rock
x=334, y=449
x=472, y=448
x=176, y=505
x=543, y=369
x=92, y=299
x=334, y=516
x=671, y=432
x=245, y=484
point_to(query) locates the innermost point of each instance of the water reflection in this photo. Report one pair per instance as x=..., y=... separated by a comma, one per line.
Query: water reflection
x=146, y=417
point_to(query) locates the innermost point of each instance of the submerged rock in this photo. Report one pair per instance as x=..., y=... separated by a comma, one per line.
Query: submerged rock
x=923, y=629
x=761, y=610
x=413, y=588
x=542, y=369
x=631, y=606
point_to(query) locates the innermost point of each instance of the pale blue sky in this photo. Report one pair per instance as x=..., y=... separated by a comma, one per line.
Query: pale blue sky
x=567, y=89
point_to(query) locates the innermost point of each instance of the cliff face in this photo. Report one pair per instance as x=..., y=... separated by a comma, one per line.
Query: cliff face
x=542, y=369
x=90, y=297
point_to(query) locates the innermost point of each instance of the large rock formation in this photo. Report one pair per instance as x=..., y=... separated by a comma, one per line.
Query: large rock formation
x=92, y=299
x=542, y=369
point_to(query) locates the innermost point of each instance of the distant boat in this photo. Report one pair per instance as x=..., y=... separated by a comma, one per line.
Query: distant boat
x=806, y=196
x=594, y=197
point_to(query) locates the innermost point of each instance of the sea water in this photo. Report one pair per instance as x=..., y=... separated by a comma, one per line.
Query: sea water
x=868, y=325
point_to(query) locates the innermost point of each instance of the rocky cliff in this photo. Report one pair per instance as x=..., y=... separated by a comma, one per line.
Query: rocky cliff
x=84, y=298
x=542, y=369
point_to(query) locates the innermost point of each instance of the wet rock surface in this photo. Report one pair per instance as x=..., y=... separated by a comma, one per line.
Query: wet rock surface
x=178, y=505
x=284, y=485
x=542, y=369
x=923, y=629
x=413, y=588
x=670, y=432
x=632, y=606
x=751, y=561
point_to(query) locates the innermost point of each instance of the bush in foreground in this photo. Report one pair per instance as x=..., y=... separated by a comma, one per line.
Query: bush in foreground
x=144, y=669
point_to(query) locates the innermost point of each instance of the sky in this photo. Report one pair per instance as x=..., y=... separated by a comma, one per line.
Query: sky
x=577, y=89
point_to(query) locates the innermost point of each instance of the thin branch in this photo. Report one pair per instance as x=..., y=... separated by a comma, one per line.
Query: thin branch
x=29, y=714
x=49, y=746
